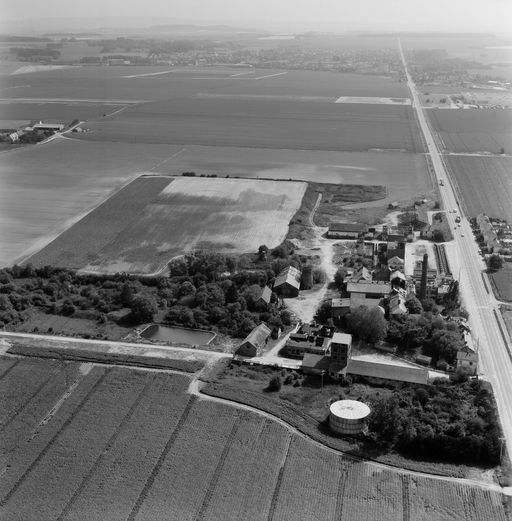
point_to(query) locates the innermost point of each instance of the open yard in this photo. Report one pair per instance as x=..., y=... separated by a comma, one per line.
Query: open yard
x=156, y=218
x=473, y=130
x=85, y=442
x=485, y=184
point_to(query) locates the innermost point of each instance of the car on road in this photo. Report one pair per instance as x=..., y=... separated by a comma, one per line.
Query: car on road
x=462, y=235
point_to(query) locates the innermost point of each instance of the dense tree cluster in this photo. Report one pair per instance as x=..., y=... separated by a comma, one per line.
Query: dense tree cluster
x=446, y=421
x=202, y=290
x=439, y=338
x=368, y=324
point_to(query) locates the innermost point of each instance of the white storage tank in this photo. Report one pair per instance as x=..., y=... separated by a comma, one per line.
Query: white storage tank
x=348, y=416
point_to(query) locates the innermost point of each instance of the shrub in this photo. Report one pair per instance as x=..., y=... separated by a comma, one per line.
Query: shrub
x=274, y=384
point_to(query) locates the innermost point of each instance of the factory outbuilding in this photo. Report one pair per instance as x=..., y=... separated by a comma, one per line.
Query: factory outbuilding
x=254, y=342
x=348, y=417
x=287, y=283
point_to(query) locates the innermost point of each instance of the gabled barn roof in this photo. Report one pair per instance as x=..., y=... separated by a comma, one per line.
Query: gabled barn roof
x=258, y=335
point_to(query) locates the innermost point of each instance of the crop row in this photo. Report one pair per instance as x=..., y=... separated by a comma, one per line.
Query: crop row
x=309, y=484
x=22, y=384
x=71, y=451
x=25, y=426
x=122, y=472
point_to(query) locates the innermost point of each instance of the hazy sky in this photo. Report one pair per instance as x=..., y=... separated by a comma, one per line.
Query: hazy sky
x=455, y=15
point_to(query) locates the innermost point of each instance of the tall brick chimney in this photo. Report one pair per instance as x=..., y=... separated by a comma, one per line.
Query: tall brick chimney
x=423, y=285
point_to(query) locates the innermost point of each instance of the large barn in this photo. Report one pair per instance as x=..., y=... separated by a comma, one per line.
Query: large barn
x=287, y=283
x=254, y=342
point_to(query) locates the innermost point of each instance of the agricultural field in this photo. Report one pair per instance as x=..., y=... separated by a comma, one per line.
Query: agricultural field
x=164, y=83
x=472, y=130
x=56, y=111
x=484, y=183
x=135, y=446
x=157, y=218
x=264, y=123
x=46, y=188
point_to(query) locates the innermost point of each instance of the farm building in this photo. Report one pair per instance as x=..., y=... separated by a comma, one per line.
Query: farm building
x=254, y=341
x=56, y=127
x=367, y=293
x=309, y=338
x=386, y=371
x=348, y=416
x=287, y=283
x=346, y=230
x=315, y=364
x=264, y=298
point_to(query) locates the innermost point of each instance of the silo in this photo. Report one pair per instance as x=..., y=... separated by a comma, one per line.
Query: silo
x=348, y=416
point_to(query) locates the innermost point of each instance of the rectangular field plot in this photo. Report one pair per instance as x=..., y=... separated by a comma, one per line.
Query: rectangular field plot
x=371, y=494
x=431, y=499
x=308, y=489
x=264, y=122
x=473, y=130
x=485, y=184
x=228, y=215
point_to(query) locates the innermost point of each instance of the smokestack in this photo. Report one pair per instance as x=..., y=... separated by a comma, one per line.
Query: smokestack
x=423, y=286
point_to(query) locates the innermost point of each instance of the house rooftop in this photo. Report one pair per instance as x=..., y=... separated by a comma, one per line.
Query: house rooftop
x=341, y=338
x=380, y=287
x=258, y=335
x=347, y=227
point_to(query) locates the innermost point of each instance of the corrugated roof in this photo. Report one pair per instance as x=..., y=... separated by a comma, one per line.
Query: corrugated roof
x=290, y=276
x=347, y=227
x=317, y=362
x=399, y=373
x=369, y=287
x=258, y=335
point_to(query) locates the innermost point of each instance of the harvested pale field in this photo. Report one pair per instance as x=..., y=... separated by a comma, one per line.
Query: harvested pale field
x=132, y=445
x=46, y=188
x=473, y=130
x=485, y=184
x=140, y=234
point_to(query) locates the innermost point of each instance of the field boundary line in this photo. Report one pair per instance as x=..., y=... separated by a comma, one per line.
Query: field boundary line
x=406, y=498
x=31, y=396
x=9, y=369
x=158, y=465
x=49, y=445
x=106, y=449
x=219, y=467
x=279, y=481
x=341, y=487
x=46, y=240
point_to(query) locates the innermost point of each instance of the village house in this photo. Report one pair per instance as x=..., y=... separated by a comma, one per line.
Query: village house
x=367, y=293
x=346, y=230
x=254, y=342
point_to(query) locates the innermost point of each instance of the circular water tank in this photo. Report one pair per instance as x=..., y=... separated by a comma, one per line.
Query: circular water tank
x=348, y=416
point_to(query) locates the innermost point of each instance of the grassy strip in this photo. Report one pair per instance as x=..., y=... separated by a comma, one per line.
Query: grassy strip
x=319, y=431
x=85, y=355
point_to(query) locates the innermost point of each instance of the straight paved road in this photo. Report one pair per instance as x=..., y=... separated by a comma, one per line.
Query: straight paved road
x=485, y=319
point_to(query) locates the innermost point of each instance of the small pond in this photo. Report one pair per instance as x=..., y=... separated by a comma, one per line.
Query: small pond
x=178, y=335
